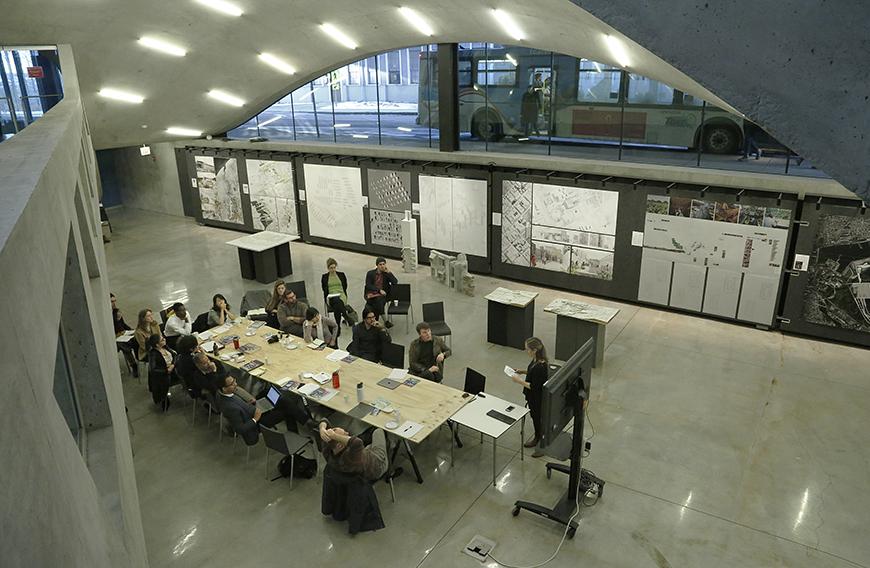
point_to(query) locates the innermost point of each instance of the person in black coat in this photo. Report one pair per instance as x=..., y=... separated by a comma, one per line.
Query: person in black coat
x=379, y=284
x=334, y=283
x=161, y=364
x=536, y=375
x=369, y=337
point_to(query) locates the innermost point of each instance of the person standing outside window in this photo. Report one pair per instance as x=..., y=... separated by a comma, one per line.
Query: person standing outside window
x=379, y=283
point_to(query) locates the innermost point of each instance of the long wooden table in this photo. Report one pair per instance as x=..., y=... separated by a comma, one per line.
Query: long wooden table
x=427, y=403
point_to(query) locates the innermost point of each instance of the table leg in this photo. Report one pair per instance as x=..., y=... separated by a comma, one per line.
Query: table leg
x=451, y=449
x=493, y=461
x=413, y=461
x=522, y=438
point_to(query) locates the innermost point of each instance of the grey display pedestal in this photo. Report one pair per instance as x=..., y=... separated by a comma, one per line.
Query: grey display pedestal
x=264, y=256
x=510, y=317
x=577, y=322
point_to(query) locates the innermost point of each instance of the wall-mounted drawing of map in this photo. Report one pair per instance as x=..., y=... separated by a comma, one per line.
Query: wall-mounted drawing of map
x=334, y=200
x=273, y=206
x=218, y=183
x=516, y=222
x=389, y=190
x=453, y=214
x=580, y=208
x=386, y=227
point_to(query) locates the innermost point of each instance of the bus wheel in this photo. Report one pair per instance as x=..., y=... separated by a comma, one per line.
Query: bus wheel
x=720, y=139
x=487, y=127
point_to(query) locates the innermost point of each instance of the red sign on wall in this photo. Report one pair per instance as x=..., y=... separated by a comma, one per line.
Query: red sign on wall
x=35, y=72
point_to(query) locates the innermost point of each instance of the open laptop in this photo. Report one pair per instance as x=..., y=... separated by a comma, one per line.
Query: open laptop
x=271, y=400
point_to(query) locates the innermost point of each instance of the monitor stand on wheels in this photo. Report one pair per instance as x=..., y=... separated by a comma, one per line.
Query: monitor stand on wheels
x=579, y=480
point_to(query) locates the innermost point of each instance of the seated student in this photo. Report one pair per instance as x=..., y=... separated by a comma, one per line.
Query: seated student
x=291, y=314
x=348, y=454
x=369, y=337
x=334, y=283
x=177, y=324
x=220, y=311
x=145, y=328
x=127, y=348
x=187, y=346
x=271, y=306
x=320, y=327
x=161, y=363
x=210, y=376
x=245, y=418
x=426, y=354
x=379, y=283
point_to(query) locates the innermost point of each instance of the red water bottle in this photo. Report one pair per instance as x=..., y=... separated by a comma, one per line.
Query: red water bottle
x=335, y=382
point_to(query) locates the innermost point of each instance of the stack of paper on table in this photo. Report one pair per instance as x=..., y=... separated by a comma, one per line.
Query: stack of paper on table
x=397, y=374
x=337, y=355
x=204, y=335
x=125, y=337
x=257, y=312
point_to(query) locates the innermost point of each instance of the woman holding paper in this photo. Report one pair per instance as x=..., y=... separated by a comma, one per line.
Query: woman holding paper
x=319, y=327
x=536, y=375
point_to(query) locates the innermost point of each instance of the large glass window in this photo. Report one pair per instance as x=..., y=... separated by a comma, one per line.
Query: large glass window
x=30, y=84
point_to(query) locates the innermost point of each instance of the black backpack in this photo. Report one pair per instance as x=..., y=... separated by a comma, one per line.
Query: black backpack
x=303, y=468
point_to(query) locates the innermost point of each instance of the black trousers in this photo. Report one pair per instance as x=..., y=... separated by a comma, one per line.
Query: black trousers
x=290, y=409
x=535, y=411
x=336, y=306
x=377, y=304
x=428, y=375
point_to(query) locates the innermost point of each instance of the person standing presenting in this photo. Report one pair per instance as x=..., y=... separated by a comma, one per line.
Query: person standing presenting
x=379, y=283
x=536, y=375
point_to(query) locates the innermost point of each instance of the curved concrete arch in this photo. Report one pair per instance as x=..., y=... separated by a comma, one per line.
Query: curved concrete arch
x=797, y=68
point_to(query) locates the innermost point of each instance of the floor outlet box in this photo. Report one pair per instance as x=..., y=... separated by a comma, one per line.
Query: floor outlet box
x=479, y=547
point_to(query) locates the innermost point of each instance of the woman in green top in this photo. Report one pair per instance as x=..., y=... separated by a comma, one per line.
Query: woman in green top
x=334, y=284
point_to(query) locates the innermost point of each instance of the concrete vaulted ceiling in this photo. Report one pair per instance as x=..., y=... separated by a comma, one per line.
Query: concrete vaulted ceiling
x=222, y=50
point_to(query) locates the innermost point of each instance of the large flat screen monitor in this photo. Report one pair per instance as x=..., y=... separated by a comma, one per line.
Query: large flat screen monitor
x=562, y=389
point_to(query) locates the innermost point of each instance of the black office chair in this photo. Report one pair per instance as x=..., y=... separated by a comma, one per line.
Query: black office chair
x=402, y=293
x=393, y=356
x=165, y=313
x=200, y=324
x=299, y=288
x=475, y=383
x=433, y=314
x=285, y=443
x=254, y=299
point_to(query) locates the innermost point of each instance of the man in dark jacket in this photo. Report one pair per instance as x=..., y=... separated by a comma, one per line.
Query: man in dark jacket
x=245, y=418
x=426, y=354
x=369, y=337
x=379, y=283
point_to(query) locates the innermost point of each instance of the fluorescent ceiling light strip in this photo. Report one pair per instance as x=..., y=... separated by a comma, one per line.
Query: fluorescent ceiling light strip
x=226, y=98
x=360, y=135
x=417, y=21
x=117, y=95
x=617, y=50
x=338, y=36
x=179, y=131
x=222, y=6
x=404, y=129
x=162, y=46
x=277, y=63
x=344, y=125
x=508, y=24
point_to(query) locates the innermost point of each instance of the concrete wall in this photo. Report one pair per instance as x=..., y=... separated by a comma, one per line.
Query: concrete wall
x=144, y=182
x=797, y=68
x=60, y=505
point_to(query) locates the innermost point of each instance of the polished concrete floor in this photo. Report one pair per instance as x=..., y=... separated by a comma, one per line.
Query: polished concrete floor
x=721, y=445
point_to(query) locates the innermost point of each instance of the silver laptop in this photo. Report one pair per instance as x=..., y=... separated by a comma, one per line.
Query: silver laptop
x=271, y=400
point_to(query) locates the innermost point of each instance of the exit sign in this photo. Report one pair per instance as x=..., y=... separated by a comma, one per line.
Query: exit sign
x=35, y=72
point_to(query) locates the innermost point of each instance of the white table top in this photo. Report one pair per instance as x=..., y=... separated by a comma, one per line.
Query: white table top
x=517, y=298
x=581, y=311
x=264, y=240
x=473, y=414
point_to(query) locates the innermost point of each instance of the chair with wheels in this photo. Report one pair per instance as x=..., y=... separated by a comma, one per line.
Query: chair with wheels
x=433, y=314
x=401, y=293
x=285, y=443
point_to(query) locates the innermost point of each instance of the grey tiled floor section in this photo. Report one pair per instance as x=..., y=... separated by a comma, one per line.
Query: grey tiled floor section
x=721, y=445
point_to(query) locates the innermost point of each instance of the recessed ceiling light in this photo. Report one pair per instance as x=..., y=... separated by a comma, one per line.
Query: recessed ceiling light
x=179, y=131
x=338, y=36
x=117, y=95
x=617, y=50
x=404, y=129
x=508, y=24
x=222, y=6
x=417, y=21
x=277, y=63
x=162, y=46
x=225, y=97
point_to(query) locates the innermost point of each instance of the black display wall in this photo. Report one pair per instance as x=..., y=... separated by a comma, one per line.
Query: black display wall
x=825, y=296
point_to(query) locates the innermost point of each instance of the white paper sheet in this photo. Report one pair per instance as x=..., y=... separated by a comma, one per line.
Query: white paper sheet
x=397, y=374
x=334, y=201
x=408, y=429
x=509, y=371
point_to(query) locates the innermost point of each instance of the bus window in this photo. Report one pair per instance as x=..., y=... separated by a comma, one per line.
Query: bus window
x=496, y=72
x=645, y=91
x=597, y=82
x=464, y=71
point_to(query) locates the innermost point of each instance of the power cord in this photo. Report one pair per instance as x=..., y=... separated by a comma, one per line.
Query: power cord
x=564, y=534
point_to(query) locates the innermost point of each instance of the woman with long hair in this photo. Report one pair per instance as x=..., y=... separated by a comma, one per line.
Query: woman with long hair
x=272, y=306
x=536, y=375
x=145, y=328
x=220, y=311
x=161, y=363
